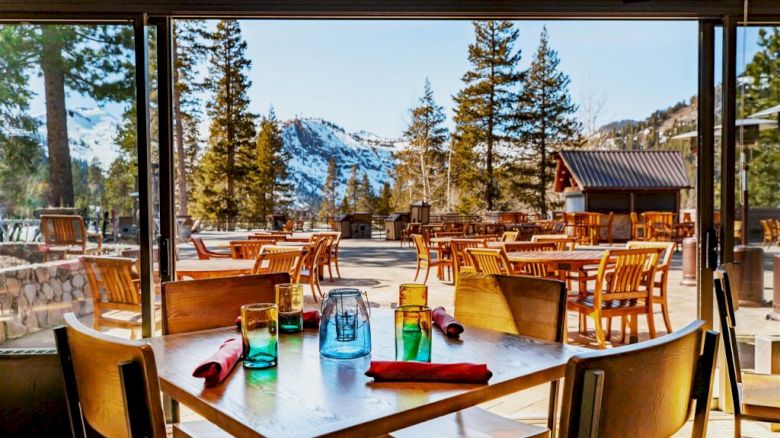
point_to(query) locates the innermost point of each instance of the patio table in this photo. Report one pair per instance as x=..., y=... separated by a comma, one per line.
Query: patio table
x=309, y=395
x=562, y=261
x=213, y=268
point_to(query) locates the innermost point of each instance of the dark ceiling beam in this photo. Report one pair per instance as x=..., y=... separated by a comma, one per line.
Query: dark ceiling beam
x=441, y=9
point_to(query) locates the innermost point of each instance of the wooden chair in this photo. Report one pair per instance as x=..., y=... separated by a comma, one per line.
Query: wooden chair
x=279, y=259
x=267, y=237
x=311, y=268
x=754, y=396
x=738, y=230
x=770, y=233
x=533, y=269
x=215, y=302
x=636, y=227
x=67, y=234
x=490, y=261
x=204, y=253
x=116, y=295
x=424, y=258
x=523, y=306
x=661, y=279
x=331, y=255
x=248, y=249
x=598, y=226
x=509, y=236
x=620, y=290
x=562, y=242
x=645, y=390
x=659, y=225
x=111, y=384
x=460, y=260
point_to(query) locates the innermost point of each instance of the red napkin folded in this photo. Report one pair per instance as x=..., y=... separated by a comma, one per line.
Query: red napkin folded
x=219, y=365
x=390, y=371
x=311, y=319
x=449, y=325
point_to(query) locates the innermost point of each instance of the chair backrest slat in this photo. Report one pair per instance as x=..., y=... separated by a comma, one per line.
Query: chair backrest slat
x=273, y=259
x=63, y=230
x=648, y=388
x=248, y=249
x=115, y=277
x=96, y=360
x=215, y=302
x=489, y=260
x=526, y=306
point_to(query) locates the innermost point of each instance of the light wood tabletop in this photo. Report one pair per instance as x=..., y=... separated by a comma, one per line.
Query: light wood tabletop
x=590, y=256
x=308, y=395
x=213, y=268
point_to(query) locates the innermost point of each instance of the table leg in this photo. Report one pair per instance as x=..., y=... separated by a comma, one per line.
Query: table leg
x=633, y=338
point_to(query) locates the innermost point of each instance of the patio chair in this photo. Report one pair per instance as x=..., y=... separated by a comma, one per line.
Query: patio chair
x=116, y=295
x=661, y=279
x=754, y=396
x=112, y=388
x=620, y=290
x=215, y=302
x=562, y=242
x=636, y=227
x=310, y=271
x=533, y=269
x=647, y=390
x=598, y=227
x=67, y=234
x=247, y=249
x=460, y=260
x=509, y=236
x=490, y=261
x=424, y=258
x=770, y=232
x=204, y=253
x=523, y=306
x=272, y=261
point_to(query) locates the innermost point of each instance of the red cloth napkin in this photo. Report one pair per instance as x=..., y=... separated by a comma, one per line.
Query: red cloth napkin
x=311, y=319
x=449, y=325
x=219, y=365
x=390, y=371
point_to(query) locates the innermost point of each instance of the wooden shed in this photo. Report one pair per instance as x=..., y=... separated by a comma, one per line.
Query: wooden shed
x=621, y=182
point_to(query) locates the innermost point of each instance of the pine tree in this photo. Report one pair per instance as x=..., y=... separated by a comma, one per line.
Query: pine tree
x=188, y=52
x=546, y=123
x=425, y=157
x=366, y=199
x=89, y=60
x=328, y=207
x=268, y=190
x=352, y=194
x=231, y=145
x=344, y=207
x=483, y=113
x=384, y=203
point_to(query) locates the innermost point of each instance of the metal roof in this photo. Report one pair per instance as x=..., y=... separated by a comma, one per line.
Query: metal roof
x=625, y=170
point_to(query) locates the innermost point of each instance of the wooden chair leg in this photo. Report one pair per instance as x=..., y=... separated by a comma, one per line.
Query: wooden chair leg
x=650, y=321
x=427, y=272
x=623, y=323
x=416, y=274
x=552, y=408
x=336, y=262
x=609, y=329
x=330, y=272
x=665, y=313
x=599, y=331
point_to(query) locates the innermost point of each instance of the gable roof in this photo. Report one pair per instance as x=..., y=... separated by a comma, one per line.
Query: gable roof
x=622, y=170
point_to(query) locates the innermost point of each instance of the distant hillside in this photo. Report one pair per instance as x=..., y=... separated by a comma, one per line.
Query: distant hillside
x=652, y=132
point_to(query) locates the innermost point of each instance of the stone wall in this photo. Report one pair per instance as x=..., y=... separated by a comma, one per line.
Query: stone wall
x=34, y=297
x=30, y=251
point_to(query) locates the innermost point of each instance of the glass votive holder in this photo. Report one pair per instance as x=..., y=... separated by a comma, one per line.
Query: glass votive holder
x=289, y=299
x=413, y=294
x=413, y=333
x=259, y=324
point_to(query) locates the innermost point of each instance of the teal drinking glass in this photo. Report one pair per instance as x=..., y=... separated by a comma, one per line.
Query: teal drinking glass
x=259, y=328
x=413, y=333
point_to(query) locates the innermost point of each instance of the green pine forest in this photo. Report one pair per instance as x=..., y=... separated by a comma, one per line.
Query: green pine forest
x=508, y=123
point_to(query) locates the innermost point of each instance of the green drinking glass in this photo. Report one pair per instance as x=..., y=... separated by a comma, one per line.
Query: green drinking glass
x=413, y=333
x=259, y=327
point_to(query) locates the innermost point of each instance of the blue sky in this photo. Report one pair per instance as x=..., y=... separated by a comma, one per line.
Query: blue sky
x=364, y=75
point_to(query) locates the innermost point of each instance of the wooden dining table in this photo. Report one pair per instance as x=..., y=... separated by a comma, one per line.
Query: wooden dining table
x=564, y=262
x=212, y=268
x=309, y=395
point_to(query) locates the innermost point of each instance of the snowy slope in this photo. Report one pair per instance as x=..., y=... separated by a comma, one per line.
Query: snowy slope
x=312, y=142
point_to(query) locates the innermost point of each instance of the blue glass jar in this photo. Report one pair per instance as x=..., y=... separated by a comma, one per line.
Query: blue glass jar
x=345, y=330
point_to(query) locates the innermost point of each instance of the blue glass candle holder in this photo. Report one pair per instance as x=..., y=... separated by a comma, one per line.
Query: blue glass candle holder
x=345, y=330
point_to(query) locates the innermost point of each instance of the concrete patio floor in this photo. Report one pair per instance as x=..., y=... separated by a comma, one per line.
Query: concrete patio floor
x=379, y=266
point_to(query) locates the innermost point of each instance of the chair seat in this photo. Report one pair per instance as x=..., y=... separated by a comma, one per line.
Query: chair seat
x=198, y=429
x=71, y=249
x=472, y=422
x=761, y=396
x=586, y=302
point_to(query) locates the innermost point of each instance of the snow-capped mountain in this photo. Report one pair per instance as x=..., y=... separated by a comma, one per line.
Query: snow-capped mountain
x=312, y=142
x=92, y=133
